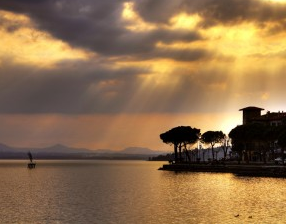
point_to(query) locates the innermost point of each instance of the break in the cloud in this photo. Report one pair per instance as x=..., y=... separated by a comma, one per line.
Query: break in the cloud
x=146, y=57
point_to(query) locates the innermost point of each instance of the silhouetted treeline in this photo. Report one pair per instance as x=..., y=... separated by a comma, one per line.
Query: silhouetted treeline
x=183, y=138
x=258, y=142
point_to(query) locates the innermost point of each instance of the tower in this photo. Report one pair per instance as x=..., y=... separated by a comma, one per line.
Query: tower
x=248, y=113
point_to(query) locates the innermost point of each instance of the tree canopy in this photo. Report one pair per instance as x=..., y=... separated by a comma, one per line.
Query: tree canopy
x=212, y=138
x=181, y=135
x=257, y=137
x=246, y=137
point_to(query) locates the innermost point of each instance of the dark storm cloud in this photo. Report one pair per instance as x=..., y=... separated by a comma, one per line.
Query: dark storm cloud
x=237, y=11
x=89, y=87
x=159, y=11
x=184, y=55
x=94, y=25
x=213, y=11
x=134, y=44
x=95, y=87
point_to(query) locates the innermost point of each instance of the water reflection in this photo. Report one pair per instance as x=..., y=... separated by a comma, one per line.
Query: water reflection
x=218, y=198
x=133, y=192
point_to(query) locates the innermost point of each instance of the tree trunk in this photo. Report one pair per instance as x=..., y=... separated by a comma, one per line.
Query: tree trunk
x=264, y=153
x=213, y=152
x=180, y=152
x=264, y=156
x=247, y=157
x=239, y=156
x=176, y=152
x=282, y=156
x=246, y=153
x=224, y=150
x=187, y=153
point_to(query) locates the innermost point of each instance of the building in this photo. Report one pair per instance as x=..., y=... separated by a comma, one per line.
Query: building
x=253, y=115
x=258, y=142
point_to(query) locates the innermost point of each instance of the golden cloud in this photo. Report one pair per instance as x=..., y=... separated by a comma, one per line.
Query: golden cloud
x=27, y=45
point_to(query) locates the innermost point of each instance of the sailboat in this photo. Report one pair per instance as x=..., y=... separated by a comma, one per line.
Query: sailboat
x=31, y=164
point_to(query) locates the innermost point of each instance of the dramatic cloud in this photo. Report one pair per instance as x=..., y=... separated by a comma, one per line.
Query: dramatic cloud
x=80, y=88
x=214, y=11
x=125, y=60
x=95, y=25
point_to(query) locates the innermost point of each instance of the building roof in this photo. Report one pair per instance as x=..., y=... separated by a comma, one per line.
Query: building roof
x=274, y=116
x=251, y=108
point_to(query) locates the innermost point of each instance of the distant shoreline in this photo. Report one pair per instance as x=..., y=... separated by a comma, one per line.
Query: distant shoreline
x=76, y=156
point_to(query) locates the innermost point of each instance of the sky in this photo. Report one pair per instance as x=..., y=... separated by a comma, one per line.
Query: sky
x=115, y=74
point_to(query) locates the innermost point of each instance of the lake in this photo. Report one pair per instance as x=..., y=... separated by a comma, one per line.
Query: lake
x=134, y=192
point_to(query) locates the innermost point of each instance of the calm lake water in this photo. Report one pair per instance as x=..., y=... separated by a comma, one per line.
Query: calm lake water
x=134, y=192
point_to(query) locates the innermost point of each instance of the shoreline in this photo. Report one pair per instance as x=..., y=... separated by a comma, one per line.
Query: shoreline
x=255, y=170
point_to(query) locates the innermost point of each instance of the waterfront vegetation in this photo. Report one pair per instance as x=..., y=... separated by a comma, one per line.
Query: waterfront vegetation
x=258, y=142
x=248, y=143
x=183, y=138
x=257, y=148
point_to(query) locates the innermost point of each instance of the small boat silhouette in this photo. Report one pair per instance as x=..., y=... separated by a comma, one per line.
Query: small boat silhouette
x=31, y=164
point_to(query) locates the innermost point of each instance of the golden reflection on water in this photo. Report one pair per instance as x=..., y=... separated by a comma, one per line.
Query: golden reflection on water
x=134, y=192
x=224, y=198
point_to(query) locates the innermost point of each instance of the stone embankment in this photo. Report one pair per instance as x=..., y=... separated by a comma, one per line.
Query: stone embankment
x=242, y=169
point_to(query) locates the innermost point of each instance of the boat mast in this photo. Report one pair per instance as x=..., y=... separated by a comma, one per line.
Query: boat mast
x=30, y=157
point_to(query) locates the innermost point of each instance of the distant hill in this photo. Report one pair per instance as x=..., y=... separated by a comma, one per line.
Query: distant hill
x=5, y=148
x=139, y=150
x=59, y=151
x=103, y=151
x=58, y=148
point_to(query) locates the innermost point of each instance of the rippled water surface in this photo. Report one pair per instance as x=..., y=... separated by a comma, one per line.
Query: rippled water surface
x=134, y=192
